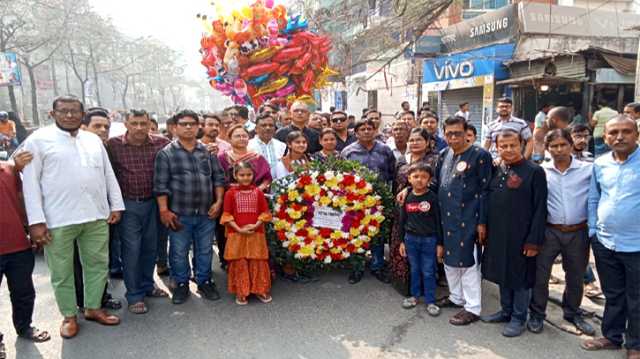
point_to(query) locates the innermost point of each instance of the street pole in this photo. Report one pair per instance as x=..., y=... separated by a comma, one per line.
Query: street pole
x=637, y=94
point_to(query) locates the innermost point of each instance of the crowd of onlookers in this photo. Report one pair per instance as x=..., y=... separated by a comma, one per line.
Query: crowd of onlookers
x=125, y=200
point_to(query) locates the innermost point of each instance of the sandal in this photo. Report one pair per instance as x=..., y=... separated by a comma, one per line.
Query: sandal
x=409, y=303
x=599, y=344
x=138, y=308
x=265, y=298
x=112, y=304
x=592, y=291
x=158, y=293
x=241, y=301
x=35, y=335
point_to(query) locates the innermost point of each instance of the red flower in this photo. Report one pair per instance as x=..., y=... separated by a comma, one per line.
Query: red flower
x=348, y=180
x=355, y=224
x=308, y=240
x=294, y=248
x=321, y=179
x=374, y=223
x=365, y=245
x=305, y=180
x=336, y=256
x=351, y=248
x=283, y=198
x=281, y=236
x=325, y=232
x=352, y=197
x=301, y=233
x=361, y=184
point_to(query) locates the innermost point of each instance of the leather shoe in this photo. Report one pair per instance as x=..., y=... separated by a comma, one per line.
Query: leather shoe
x=582, y=325
x=513, y=329
x=463, y=318
x=535, y=325
x=69, y=327
x=633, y=354
x=381, y=276
x=355, y=277
x=499, y=317
x=101, y=316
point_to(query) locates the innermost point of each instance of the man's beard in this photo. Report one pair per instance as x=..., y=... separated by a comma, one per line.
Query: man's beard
x=66, y=129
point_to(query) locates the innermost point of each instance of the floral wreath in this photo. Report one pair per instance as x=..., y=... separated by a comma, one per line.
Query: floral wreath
x=339, y=188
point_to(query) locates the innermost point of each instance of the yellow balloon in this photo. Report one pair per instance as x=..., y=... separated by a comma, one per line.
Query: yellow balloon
x=264, y=54
x=246, y=12
x=272, y=86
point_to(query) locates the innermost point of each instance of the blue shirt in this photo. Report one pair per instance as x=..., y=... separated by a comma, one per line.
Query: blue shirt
x=441, y=144
x=379, y=159
x=614, y=202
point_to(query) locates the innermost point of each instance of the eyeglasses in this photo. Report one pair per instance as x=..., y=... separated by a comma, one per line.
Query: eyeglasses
x=374, y=118
x=300, y=110
x=68, y=112
x=454, y=134
x=338, y=119
x=188, y=124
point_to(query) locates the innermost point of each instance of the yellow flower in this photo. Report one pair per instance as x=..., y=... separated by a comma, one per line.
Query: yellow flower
x=319, y=241
x=354, y=231
x=331, y=183
x=279, y=225
x=325, y=201
x=312, y=189
x=293, y=195
x=366, y=220
x=295, y=214
x=306, y=250
x=357, y=243
x=301, y=223
x=370, y=201
x=336, y=235
x=373, y=231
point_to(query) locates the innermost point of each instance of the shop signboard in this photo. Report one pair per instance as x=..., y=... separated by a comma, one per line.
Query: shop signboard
x=9, y=70
x=490, y=28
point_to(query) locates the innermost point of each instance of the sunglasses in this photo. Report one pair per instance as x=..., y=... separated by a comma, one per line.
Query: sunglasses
x=338, y=119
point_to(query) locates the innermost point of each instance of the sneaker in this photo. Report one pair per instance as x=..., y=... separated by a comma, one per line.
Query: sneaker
x=535, y=325
x=499, y=317
x=409, y=303
x=582, y=325
x=513, y=329
x=180, y=293
x=208, y=290
x=433, y=310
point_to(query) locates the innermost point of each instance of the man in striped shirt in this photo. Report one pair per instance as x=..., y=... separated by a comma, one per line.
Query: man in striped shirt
x=506, y=121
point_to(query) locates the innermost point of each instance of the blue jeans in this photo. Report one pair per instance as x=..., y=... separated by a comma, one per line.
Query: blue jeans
x=163, y=241
x=139, y=239
x=199, y=231
x=422, y=260
x=515, y=303
x=115, y=255
x=377, y=257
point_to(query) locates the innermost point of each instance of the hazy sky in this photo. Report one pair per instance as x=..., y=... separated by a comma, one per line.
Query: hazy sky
x=172, y=22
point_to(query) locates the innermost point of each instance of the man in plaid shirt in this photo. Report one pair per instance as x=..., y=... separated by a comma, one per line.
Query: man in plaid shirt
x=132, y=157
x=189, y=185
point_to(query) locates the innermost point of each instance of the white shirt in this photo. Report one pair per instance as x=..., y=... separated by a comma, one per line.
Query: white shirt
x=272, y=151
x=280, y=171
x=464, y=115
x=568, y=192
x=70, y=179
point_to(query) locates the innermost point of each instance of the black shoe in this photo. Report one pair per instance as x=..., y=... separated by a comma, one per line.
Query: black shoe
x=381, y=276
x=447, y=303
x=208, y=290
x=355, y=277
x=162, y=270
x=180, y=293
x=535, y=325
x=513, y=329
x=112, y=304
x=499, y=317
x=582, y=325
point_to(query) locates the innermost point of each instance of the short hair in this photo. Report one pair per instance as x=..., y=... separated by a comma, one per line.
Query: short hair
x=505, y=100
x=423, y=133
x=420, y=167
x=340, y=112
x=137, y=113
x=456, y=120
x=328, y=131
x=235, y=128
x=621, y=118
x=635, y=106
x=362, y=122
x=563, y=113
x=186, y=113
x=154, y=121
x=294, y=135
x=463, y=104
x=403, y=102
x=351, y=116
x=429, y=114
x=263, y=116
x=545, y=104
x=408, y=113
x=372, y=111
x=472, y=128
x=67, y=98
x=579, y=127
x=171, y=121
x=94, y=111
x=508, y=132
x=556, y=134
x=227, y=109
x=269, y=105
x=212, y=116
x=243, y=112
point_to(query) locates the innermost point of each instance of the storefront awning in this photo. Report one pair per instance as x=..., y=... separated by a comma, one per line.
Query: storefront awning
x=623, y=65
x=539, y=79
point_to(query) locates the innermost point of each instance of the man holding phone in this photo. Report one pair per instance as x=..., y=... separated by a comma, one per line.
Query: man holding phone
x=189, y=185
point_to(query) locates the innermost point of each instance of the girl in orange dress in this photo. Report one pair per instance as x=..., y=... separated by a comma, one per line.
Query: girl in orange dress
x=245, y=212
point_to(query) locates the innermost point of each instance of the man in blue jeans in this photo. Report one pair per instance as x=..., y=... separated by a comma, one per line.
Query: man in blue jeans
x=189, y=185
x=132, y=157
x=614, y=200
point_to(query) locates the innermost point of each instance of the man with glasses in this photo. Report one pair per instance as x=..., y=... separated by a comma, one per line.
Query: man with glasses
x=379, y=158
x=581, y=135
x=339, y=123
x=506, y=120
x=189, y=185
x=73, y=201
x=300, y=118
x=263, y=143
x=132, y=156
x=463, y=175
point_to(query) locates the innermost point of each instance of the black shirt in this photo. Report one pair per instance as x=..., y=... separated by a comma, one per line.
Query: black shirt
x=313, y=138
x=340, y=144
x=420, y=215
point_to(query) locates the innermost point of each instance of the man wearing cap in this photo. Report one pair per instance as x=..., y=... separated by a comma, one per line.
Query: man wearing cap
x=8, y=129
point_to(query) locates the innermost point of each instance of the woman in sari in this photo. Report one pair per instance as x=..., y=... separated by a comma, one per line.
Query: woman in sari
x=421, y=149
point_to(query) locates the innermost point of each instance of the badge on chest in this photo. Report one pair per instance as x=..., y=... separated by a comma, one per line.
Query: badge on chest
x=514, y=181
x=423, y=207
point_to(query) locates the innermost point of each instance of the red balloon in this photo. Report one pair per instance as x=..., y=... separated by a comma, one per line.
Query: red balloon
x=300, y=65
x=260, y=69
x=309, y=80
x=288, y=54
x=284, y=68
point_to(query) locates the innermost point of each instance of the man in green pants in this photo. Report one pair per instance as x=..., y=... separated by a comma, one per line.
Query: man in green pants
x=72, y=195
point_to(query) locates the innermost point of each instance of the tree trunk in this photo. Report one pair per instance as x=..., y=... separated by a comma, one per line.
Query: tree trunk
x=66, y=78
x=95, y=78
x=54, y=78
x=34, y=95
x=124, y=93
x=12, y=99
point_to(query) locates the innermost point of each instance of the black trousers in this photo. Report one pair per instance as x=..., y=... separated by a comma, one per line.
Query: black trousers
x=575, y=256
x=18, y=268
x=619, y=274
x=79, y=281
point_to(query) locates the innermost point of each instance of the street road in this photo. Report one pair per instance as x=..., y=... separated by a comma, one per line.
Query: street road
x=325, y=319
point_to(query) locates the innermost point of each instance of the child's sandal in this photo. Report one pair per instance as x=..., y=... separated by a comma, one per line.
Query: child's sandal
x=241, y=301
x=409, y=303
x=265, y=298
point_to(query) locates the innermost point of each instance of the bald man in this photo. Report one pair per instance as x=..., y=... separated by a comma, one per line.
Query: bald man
x=300, y=113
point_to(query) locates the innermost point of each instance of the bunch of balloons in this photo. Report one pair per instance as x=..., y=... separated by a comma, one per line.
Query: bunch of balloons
x=258, y=53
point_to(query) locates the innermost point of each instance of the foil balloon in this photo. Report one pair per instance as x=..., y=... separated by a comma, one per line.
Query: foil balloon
x=264, y=54
x=289, y=89
x=272, y=86
x=240, y=87
x=259, y=80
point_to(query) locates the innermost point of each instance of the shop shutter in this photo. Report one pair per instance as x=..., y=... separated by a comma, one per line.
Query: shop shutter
x=452, y=98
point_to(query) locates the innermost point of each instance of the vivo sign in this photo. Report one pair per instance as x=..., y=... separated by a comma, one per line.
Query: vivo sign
x=450, y=70
x=473, y=63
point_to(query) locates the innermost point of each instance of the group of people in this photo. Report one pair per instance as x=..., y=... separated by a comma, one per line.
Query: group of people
x=99, y=204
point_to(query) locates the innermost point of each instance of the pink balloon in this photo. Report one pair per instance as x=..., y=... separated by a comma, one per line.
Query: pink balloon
x=240, y=87
x=285, y=91
x=268, y=4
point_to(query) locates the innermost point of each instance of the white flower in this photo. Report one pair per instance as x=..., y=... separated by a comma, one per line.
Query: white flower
x=285, y=244
x=327, y=259
x=329, y=175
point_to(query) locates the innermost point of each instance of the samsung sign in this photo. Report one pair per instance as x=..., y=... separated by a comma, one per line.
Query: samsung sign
x=479, y=62
x=489, y=28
